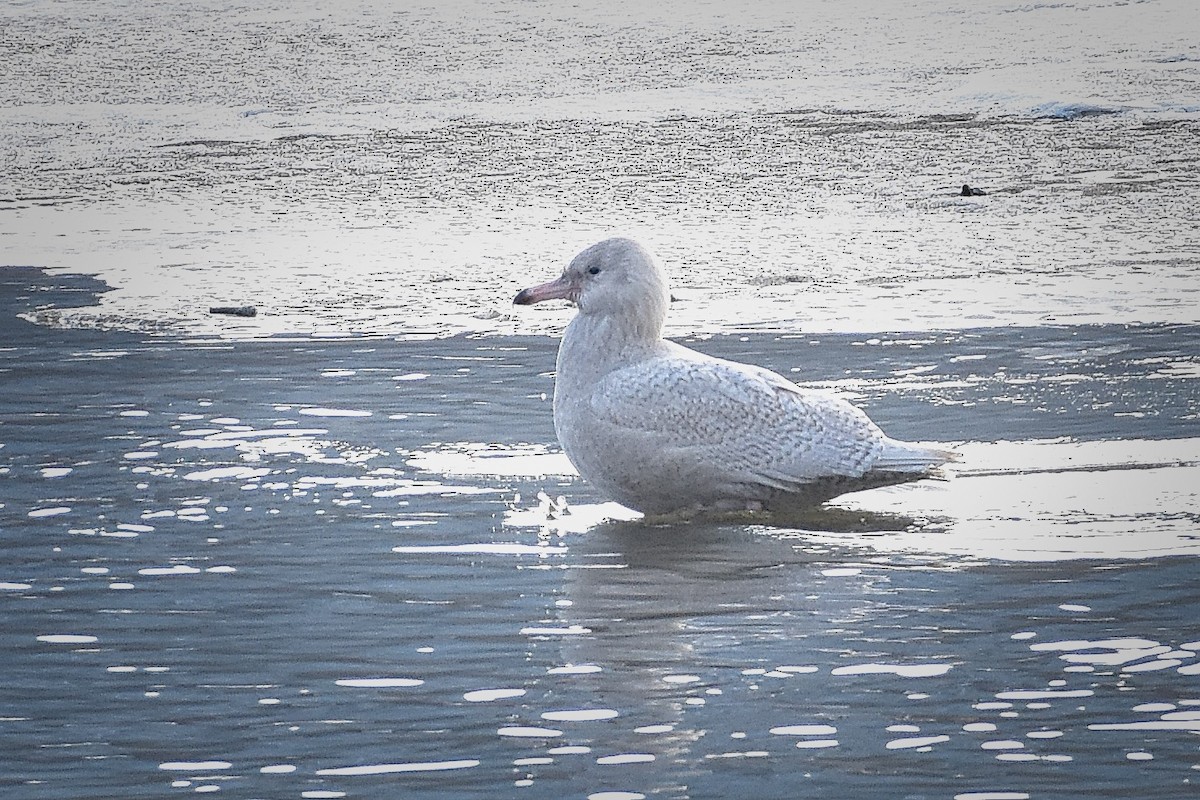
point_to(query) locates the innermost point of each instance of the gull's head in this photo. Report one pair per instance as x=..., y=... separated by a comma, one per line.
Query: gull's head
x=613, y=278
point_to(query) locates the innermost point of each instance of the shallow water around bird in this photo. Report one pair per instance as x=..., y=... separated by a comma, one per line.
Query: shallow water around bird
x=349, y=568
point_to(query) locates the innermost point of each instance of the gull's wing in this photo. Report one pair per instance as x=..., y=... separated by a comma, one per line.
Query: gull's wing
x=750, y=422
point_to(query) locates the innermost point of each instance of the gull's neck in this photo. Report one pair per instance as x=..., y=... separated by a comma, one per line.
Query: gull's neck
x=593, y=345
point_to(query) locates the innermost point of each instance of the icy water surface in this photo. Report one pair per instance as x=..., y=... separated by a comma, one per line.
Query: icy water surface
x=360, y=567
x=407, y=168
x=333, y=550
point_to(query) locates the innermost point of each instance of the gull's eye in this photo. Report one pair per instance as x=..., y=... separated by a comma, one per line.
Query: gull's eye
x=593, y=270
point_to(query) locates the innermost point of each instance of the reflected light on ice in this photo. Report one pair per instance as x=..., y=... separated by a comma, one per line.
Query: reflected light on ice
x=489, y=695
x=484, y=548
x=67, y=638
x=1047, y=500
x=626, y=758
x=580, y=715
x=803, y=730
x=383, y=769
x=194, y=766
x=577, y=518
x=916, y=742
x=528, y=732
x=479, y=459
x=379, y=683
x=903, y=670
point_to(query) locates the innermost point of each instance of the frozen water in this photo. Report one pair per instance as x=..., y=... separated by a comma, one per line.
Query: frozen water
x=413, y=584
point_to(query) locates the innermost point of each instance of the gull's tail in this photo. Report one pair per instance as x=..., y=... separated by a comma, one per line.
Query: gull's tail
x=897, y=456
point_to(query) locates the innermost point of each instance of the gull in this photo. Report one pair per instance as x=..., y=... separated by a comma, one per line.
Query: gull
x=666, y=430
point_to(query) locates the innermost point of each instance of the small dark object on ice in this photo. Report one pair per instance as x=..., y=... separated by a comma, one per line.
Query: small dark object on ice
x=237, y=311
x=967, y=191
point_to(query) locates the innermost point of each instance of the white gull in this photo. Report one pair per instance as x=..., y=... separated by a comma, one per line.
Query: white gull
x=664, y=429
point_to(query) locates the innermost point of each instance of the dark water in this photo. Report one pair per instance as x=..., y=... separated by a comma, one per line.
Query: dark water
x=201, y=589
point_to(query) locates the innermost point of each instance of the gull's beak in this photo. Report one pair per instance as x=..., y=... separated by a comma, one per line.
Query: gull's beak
x=561, y=289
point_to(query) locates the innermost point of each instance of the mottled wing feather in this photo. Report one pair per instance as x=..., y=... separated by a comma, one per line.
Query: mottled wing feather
x=750, y=422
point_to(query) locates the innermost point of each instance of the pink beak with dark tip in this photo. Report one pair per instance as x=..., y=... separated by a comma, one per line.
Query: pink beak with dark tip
x=561, y=289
